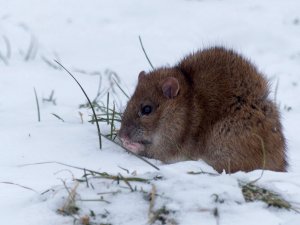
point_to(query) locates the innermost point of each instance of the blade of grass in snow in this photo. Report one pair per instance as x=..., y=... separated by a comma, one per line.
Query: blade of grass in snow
x=97, y=124
x=58, y=117
x=11, y=183
x=145, y=52
x=32, y=48
x=107, y=106
x=37, y=105
x=112, y=122
x=121, y=89
x=49, y=63
x=8, y=47
x=264, y=158
x=3, y=59
x=93, y=172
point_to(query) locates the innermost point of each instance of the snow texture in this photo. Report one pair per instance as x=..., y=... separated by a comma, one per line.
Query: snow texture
x=94, y=37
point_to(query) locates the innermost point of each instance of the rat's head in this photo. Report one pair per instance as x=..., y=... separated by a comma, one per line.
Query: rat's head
x=149, y=108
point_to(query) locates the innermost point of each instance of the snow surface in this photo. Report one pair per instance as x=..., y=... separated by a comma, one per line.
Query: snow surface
x=96, y=35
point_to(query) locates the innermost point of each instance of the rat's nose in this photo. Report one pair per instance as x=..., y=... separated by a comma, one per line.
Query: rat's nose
x=125, y=141
x=123, y=134
x=126, y=132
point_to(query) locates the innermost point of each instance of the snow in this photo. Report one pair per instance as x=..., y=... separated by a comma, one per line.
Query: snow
x=94, y=36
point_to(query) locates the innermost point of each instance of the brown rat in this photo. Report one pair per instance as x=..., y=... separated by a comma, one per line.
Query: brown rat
x=213, y=105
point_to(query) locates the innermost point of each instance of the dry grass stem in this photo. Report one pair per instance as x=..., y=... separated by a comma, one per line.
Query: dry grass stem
x=37, y=105
x=69, y=207
x=11, y=183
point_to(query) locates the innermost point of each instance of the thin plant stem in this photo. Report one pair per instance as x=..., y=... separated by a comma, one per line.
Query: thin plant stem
x=121, y=88
x=112, y=122
x=97, y=124
x=92, y=172
x=107, y=111
x=264, y=158
x=58, y=117
x=8, y=47
x=145, y=52
x=37, y=105
x=11, y=183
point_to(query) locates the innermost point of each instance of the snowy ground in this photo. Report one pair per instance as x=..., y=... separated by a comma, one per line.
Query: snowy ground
x=96, y=35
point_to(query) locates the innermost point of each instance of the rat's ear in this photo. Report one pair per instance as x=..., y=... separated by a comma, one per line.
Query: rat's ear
x=142, y=74
x=170, y=87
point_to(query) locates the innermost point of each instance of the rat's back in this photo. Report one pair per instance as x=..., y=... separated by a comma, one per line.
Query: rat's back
x=242, y=125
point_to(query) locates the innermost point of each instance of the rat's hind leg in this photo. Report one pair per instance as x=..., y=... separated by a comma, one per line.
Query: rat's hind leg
x=247, y=140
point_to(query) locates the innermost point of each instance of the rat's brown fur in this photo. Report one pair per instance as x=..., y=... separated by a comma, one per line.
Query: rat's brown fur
x=221, y=114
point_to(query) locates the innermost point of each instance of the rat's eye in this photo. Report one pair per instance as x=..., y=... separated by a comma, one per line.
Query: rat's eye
x=146, y=110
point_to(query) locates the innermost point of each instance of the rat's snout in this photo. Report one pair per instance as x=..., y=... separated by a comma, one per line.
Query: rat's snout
x=132, y=146
x=128, y=136
x=129, y=144
x=125, y=132
x=131, y=131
